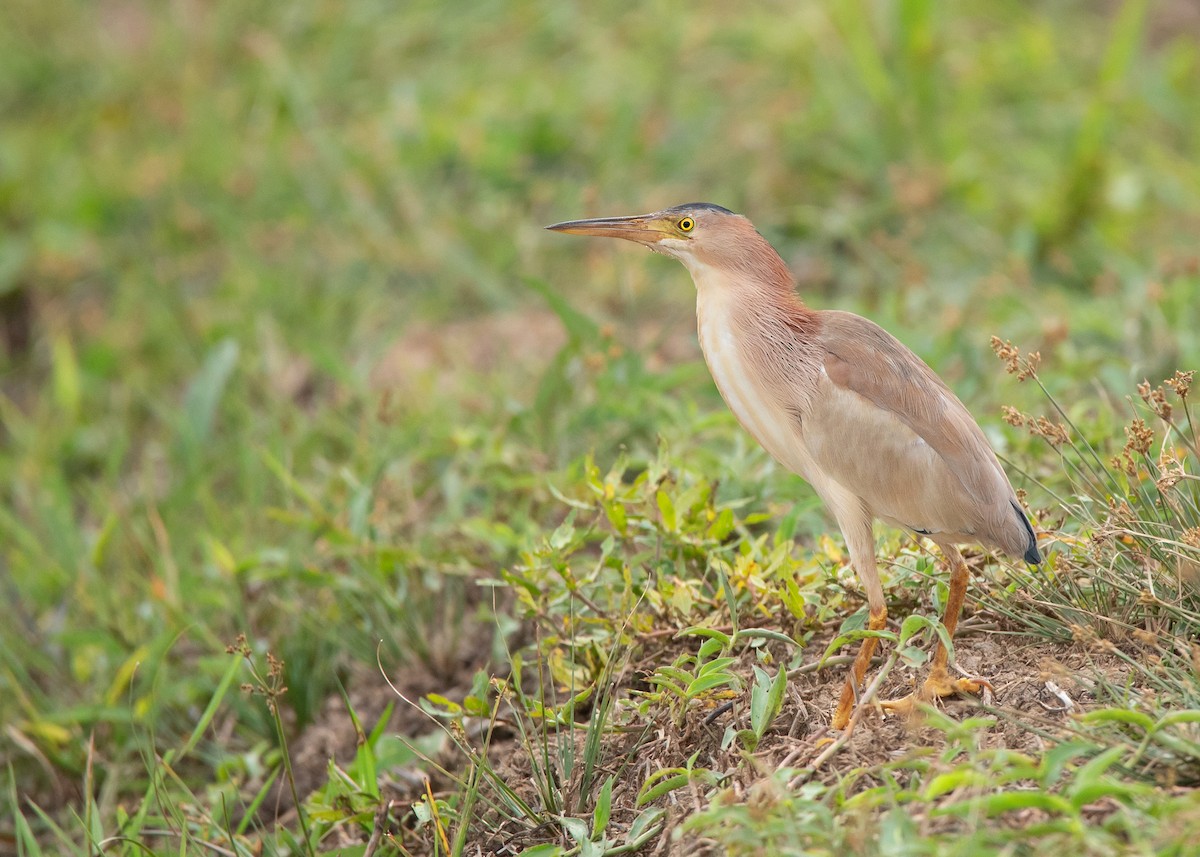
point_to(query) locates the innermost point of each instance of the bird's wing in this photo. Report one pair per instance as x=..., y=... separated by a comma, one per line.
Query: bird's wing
x=886, y=427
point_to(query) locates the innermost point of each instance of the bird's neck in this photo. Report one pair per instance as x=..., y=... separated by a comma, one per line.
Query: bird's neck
x=758, y=339
x=762, y=290
x=744, y=267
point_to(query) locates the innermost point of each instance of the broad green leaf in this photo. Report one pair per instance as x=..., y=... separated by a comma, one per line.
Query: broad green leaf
x=749, y=739
x=1056, y=759
x=544, y=850
x=615, y=512
x=764, y=634
x=67, y=387
x=759, y=692
x=576, y=828
x=673, y=673
x=666, y=508
x=204, y=394
x=854, y=636
x=956, y=779
x=722, y=526
x=1177, y=717
x=1106, y=787
x=603, y=808
x=714, y=665
x=709, y=682
x=660, y=783
x=1120, y=715
x=1088, y=777
x=645, y=822
x=775, y=697
x=998, y=804
x=711, y=633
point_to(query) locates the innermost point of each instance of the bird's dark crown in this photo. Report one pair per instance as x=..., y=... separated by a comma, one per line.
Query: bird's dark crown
x=710, y=206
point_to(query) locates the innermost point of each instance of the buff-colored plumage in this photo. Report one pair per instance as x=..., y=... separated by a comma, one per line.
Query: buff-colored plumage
x=841, y=402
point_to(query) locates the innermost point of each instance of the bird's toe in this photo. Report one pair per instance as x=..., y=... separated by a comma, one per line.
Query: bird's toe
x=940, y=684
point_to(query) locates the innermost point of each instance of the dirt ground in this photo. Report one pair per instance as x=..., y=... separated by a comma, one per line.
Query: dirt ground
x=1038, y=686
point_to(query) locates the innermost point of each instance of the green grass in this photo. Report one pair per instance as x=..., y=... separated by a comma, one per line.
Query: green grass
x=285, y=353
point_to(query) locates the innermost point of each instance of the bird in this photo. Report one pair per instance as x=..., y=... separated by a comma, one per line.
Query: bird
x=836, y=399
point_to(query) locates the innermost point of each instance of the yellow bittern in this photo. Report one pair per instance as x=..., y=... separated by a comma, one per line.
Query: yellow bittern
x=838, y=400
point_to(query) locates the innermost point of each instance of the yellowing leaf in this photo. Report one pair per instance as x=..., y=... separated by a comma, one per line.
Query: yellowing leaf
x=124, y=675
x=221, y=556
x=829, y=548
x=48, y=733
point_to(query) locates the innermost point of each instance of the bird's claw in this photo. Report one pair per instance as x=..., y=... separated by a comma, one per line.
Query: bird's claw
x=938, y=685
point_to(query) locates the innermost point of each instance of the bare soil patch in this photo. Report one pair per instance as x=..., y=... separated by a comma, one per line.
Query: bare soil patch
x=1033, y=679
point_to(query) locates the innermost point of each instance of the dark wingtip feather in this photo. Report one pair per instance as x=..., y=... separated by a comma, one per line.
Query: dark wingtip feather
x=1032, y=556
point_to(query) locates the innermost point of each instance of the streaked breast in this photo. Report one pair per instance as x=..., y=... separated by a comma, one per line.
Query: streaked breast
x=743, y=384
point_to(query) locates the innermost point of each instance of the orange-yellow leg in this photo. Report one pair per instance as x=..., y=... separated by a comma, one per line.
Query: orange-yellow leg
x=940, y=683
x=841, y=716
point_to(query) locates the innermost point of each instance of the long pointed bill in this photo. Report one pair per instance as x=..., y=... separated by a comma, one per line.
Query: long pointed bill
x=642, y=228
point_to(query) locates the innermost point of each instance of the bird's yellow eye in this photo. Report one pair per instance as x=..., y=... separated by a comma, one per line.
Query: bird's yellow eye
x=687, y=224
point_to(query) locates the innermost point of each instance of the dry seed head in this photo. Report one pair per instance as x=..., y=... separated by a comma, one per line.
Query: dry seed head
x=1031, y=366
x=1171, y=457
x=1156, y=399
x=1011, y=355
x=1146, y=638
x=1119, y=511
x=1052, y=669
x=1170, y=469
x=1007, y=352
x=1124, y=463
x=1168, y=480
x=1054, y=434
x=1012, y=416
x=1191, y=537
x=1082, y=634
x=1139, y=437
x=1181, y=383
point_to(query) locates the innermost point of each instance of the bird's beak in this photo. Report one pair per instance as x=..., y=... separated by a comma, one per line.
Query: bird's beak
x=642, y=228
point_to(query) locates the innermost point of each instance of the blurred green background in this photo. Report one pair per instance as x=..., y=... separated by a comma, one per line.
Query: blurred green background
x=285, y=351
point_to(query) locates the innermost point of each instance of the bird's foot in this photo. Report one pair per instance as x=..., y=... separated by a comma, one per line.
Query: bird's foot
x=938, y=685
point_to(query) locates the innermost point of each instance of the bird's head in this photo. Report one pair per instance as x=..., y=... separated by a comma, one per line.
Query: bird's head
x=704, y=237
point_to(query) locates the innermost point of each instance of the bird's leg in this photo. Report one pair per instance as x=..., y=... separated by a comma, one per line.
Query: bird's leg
x=939, y=682
x=876, y=622
x=855, y=522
